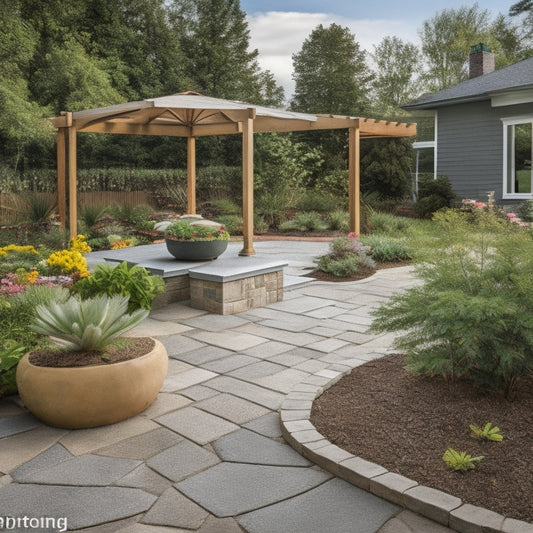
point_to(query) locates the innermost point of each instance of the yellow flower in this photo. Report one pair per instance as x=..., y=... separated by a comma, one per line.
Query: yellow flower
x=32, y=276
x=68, y=262
x=16, y=248
x=78, y=244
x=126, y=243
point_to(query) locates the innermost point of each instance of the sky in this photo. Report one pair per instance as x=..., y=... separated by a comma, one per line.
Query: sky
x=278, y=28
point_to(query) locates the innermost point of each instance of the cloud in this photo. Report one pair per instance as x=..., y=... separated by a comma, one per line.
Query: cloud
x=278, y=35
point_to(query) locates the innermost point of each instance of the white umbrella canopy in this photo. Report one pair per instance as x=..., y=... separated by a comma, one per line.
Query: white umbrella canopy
x=193, y=115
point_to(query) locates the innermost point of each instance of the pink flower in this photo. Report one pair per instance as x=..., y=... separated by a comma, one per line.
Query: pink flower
x=511, y=215
x=353, y=235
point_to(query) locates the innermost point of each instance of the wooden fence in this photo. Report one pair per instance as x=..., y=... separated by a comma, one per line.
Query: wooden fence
x=14, y=207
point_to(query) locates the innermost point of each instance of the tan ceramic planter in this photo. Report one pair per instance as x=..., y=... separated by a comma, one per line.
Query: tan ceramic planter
x=94, y=395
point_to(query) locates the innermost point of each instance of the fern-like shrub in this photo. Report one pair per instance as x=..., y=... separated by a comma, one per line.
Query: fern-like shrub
x=87, y=325
x=386, y=249
x=124, y=279
x=472, y=316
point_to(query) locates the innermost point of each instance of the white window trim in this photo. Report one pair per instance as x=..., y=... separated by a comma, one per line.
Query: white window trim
x=509, y=121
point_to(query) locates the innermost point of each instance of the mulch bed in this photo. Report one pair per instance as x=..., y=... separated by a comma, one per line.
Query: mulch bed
x=125, y=349
x=405, y=423
x=363, y=272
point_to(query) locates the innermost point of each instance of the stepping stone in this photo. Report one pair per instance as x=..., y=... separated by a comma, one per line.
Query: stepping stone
x=244, y=446
x=49, y=458
x=175, y=510
x=229, y=489
x=81, y=506
x=333, y=506
x=94, y=470
x=197, y=425
x=182, y=460
x=146, y=479
x=268, y=425
x=12, y=425
x=232, y=408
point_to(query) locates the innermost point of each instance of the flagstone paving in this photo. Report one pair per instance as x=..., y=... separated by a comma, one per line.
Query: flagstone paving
x=208, y=455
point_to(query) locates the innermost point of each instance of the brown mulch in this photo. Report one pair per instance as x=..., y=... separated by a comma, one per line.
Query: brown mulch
x=362, y=273
x=123, y=350
x=405, y=423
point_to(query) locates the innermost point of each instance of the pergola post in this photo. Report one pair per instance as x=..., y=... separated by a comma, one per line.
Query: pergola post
x=72, y=183
x=62, y=177
x=248, y=183
x=191, y=175
x=354, y=179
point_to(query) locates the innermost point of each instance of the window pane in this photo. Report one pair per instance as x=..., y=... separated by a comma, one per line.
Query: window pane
x=522, y=157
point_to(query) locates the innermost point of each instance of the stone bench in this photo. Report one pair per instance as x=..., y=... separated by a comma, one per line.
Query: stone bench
x=230, y=284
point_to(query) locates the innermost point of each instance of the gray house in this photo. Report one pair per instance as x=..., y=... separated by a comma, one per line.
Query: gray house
x=483, y=130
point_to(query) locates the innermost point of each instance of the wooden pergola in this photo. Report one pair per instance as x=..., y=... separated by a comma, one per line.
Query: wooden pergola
x=192, y=115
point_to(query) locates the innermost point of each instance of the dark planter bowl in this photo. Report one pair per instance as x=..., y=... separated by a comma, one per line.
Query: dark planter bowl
x=196, y=250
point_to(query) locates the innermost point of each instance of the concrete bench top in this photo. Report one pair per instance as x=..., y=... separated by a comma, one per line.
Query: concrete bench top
x=228, y=267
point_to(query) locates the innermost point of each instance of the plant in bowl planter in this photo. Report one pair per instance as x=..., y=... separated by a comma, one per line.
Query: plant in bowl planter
x=190, y=241
x=97, y=377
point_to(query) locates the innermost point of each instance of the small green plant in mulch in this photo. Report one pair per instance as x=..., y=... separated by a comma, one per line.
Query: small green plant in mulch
x=487, y=432
x=460, y=461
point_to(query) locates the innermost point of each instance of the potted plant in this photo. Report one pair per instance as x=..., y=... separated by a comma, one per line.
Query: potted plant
x=97, y=377
x=190, y=241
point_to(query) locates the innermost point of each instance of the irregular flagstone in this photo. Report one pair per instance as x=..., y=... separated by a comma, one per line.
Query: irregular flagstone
x=282, y=381
x=12, y=425
x=186, y=379
x=49, y=458
x=267, y=425
x=146, y=479
x=164, y=403
x=94, y=470
x=20, y=448
x=87, y=440
x=203, y=355
x=179, y=344
x=229, y=489
x=182, y=460
x=142, y=446
x=227, y=364
x=81, y=506
x=197, y=425
x=247, y=447
x=230, y=340
x=256, y=370
x=175, y=510
x=248, y=391
x=232, y=408
x=333, y=507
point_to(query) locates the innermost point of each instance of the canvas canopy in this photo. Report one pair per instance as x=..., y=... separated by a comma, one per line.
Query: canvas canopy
x=193, y=115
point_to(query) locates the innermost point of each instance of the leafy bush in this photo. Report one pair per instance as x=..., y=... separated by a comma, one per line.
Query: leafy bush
x=433, y=194
x=385, y=249
x=378, y=222
x=310, y=221
x=10, y=355
x=123, y=279
x=525, y=211
x=189, y=231
x=87, y=325
x=322, y=202
x=339, y=221
x=346, y=257
x=224, y=206
x=232, y=223
x=472, y=316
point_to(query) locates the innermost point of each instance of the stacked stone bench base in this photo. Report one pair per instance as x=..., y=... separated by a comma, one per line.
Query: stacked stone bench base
x=228, y=285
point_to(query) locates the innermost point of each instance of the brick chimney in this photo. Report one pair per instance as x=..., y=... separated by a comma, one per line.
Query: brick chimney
x=481, y=60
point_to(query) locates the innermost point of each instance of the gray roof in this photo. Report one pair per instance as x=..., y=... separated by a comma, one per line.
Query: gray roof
x=514, y=77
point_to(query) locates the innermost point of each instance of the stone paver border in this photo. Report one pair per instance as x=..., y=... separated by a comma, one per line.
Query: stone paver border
x=448, y=510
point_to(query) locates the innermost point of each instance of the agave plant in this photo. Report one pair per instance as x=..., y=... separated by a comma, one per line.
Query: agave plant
x=87, y=325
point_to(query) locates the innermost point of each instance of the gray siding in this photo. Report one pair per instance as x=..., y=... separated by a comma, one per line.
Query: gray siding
x=470, y=147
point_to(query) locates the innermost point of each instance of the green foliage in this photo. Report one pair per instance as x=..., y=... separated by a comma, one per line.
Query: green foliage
x=339, y=220
x=346, y=257
x=310, y=221
x=273, y=207
x=87, y=325
x=386, y=166
x=232, y=223
x=189, y=231
x=472, y=315
x=379, y=222
x=525, y=211
x=91, y=214
x=39, y=207
x=10, y=354
x=124, y=279
x=316, y=200
x=433, y=194
x=460, y=461
x=488, y=432
x=385, y=249
x=224, y=206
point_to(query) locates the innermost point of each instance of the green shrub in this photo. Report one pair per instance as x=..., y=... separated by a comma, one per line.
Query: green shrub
x=10, y=354
x=346, y=257
x=378, y=222
x=339, y=221
x=310, y=221
x=319, y=201
x=433, y=194
x=124, y=279
x=87, y=325
x=472, y=316
x=525, y=211
x=232, y=223
x=386, y=249
x=224, y=206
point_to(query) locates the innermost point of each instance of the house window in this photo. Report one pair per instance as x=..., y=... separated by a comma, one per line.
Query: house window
x=518, y=150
